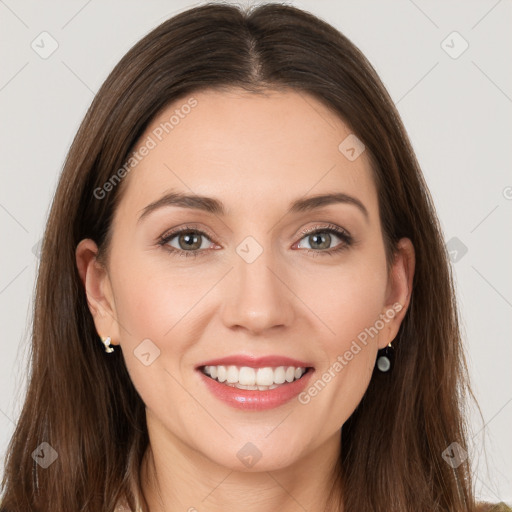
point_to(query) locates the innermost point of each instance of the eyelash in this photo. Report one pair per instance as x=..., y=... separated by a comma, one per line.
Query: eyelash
x=330, y=228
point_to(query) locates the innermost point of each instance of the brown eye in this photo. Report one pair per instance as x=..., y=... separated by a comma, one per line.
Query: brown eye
x=186, y=242
x=189, y=241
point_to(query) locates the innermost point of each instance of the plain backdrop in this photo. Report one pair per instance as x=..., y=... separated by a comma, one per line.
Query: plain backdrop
x=447, y=66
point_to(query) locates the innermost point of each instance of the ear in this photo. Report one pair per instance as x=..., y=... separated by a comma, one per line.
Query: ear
x=98, y=290
x=399, y=290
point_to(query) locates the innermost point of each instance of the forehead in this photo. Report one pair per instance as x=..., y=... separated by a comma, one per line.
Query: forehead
x=274, y=146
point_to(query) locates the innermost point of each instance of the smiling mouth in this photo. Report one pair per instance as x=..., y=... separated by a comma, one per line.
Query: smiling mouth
x=255, y=379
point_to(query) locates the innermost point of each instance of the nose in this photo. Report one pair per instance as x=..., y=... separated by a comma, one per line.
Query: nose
x=258, y=296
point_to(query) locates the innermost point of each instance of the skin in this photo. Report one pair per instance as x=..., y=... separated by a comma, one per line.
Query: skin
x=255, y=153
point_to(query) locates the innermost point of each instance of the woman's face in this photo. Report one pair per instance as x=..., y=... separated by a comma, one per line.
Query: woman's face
x=262, y=271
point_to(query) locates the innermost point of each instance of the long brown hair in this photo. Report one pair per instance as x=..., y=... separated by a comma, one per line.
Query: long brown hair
x=82, y=402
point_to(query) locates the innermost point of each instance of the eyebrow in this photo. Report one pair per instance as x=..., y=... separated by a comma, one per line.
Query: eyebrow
x=216, y=207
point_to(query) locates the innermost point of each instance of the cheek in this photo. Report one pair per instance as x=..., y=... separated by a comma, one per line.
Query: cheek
x=150, y=305
x=152, y=308
x=348, y=354
x=347, y=300
x=153, y=295
x=349, y=307
x=160, y=301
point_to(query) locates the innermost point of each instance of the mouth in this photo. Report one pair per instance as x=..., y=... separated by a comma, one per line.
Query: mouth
x=255, y=383
x=254, y=379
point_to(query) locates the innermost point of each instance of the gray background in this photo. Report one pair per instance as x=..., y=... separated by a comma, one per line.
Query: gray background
x=457, y=112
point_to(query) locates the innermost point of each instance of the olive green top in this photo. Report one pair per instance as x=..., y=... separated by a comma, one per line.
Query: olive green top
x=494, y=507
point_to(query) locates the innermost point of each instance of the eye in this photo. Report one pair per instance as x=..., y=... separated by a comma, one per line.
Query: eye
x=186, y=241
x=320, y=239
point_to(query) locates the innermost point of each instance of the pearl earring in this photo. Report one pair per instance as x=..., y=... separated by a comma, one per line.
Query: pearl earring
x=106, y=341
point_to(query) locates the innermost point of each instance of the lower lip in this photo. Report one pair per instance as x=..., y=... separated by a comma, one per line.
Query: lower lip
x=253, y=400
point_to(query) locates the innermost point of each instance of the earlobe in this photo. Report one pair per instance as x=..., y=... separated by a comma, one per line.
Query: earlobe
x=97, y=287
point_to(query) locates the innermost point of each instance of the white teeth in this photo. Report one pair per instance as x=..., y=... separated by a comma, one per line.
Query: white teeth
x=279, y=375
x=265, y=376
x=246, y=377
x=221, y=373
x=232, y=374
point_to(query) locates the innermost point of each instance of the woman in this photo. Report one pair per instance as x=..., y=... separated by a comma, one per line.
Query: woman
x=307, y=355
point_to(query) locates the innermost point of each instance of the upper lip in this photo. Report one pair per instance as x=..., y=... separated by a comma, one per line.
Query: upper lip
x=256, y=362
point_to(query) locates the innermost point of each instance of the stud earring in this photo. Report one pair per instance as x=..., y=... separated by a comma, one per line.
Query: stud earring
x=385, y=358
x=106, y=341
